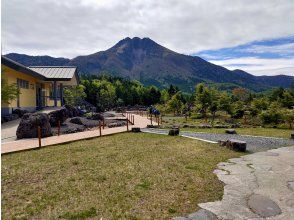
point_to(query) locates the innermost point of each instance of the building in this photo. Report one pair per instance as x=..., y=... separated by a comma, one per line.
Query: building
x=40, y=86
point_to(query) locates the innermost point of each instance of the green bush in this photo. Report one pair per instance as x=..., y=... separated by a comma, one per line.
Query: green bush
x=271, y=117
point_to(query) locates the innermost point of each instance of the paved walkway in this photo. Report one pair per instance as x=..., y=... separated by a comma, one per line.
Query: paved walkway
x=254, y=143
x=25, y=144
x=258, y=186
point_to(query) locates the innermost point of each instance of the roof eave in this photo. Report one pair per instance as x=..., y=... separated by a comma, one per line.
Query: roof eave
x=19, y=67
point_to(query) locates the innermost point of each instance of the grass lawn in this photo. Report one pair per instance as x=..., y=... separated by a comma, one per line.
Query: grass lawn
x=258, y=131
x=124, y=176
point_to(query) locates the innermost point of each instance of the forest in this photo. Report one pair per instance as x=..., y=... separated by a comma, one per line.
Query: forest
x=107, y=92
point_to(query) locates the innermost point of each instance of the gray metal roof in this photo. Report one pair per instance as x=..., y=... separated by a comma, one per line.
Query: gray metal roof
x=55, y=72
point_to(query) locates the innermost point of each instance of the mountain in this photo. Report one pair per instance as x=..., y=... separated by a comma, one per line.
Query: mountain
x=37, y=60
x=152, y=64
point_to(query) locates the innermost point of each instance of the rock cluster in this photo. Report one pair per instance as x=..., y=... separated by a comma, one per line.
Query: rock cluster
x=62, y=114
x=28, y=126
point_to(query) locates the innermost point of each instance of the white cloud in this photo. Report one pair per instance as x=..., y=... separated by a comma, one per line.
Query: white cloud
x=258, y=66
x=74, y=27
x=282, y=49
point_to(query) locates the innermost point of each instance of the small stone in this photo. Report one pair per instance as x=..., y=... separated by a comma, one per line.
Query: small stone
x=231, y=131
x=292, y=135
x=136, y=130
x=263, y=206
x=173, y=132
x=236, y=145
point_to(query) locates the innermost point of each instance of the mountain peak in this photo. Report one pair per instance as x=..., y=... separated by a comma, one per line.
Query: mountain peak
x=152, y=64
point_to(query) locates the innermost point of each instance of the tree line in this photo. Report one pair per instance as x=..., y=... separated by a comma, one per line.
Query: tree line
x=107, y=92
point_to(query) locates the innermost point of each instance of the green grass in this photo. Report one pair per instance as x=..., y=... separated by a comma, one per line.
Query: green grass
x=124, y=176
x=257, y=131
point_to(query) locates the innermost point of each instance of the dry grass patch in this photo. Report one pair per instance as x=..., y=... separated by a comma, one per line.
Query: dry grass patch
x=124, y=176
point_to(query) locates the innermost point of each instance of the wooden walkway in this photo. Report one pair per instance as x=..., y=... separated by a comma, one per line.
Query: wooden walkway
x=26, y=144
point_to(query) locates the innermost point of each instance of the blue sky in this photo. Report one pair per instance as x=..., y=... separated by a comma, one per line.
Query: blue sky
x=273, y=56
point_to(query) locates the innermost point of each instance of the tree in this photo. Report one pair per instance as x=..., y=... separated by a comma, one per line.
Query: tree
x=151, y=95
x=172, y=90
x=225, y=102
x=175, y=104
x=9, y=92
x=164, y=96
x=241, y=94
x=273, y=115
x=288, y=117
x=203, y=98
x=73, y=95
x=287, y=100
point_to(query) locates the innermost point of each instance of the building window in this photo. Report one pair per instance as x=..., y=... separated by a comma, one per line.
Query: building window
x=51, y=92
x=23, y=84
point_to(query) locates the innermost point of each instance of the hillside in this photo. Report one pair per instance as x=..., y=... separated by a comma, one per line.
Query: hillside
x=153, y=64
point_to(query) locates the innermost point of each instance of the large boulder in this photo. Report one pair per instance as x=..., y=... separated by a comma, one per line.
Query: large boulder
x=58, y=115
x=28, y=126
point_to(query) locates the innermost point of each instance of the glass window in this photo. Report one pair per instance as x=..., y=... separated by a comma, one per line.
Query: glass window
x=23, y=84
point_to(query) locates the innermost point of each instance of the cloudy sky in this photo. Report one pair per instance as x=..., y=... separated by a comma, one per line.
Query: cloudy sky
x=256, y=36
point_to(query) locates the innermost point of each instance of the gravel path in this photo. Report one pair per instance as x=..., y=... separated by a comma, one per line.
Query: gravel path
x=254, y=143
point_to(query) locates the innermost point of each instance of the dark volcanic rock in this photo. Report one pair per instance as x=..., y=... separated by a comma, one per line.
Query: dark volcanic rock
x=58, y=115
x=83, y=121
x=29, y=123
x=19, y=112
x=233, y=144
x=72, y=111
x=136, y=129
x=96, y=116
x=231, y=131
x=174, y=131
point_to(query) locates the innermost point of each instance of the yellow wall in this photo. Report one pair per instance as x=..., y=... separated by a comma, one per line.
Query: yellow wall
x=27, y=98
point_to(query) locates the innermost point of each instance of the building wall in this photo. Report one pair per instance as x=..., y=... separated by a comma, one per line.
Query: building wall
x=27, y=97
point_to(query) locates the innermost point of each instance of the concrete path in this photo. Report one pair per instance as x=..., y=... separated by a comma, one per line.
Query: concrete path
x=25, y=144
x=254, y=143
x=8, y=129
x=257, y=186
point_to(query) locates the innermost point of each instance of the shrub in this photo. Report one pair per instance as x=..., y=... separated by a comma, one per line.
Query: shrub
x=271, y=117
